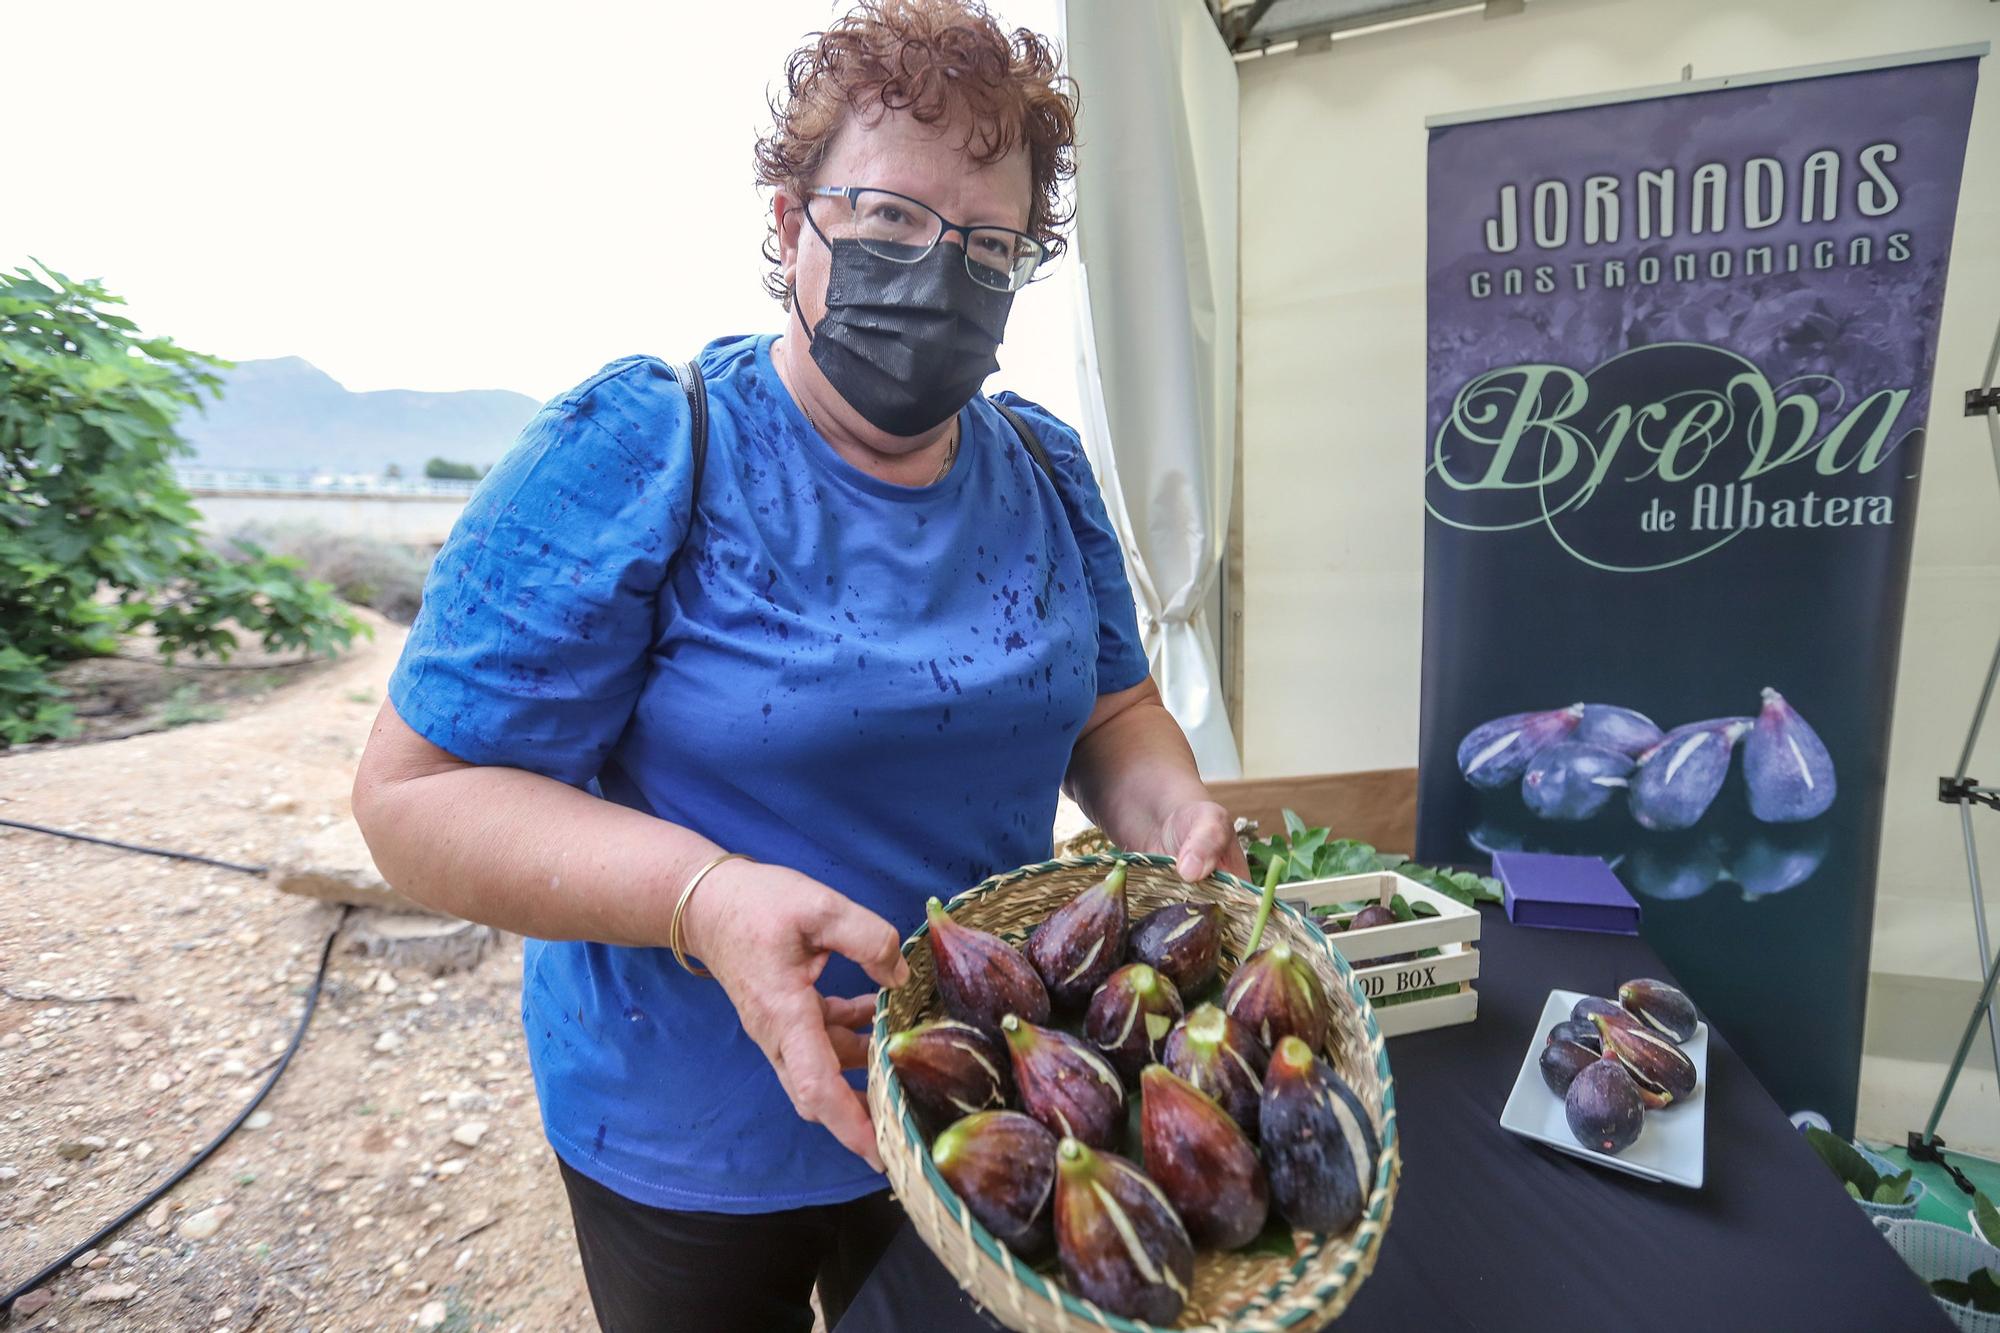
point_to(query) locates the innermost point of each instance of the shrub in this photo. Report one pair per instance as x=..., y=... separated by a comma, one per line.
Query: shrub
x=364, y=570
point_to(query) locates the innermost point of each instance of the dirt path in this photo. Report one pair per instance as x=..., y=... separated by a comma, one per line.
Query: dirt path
x=401, y=1180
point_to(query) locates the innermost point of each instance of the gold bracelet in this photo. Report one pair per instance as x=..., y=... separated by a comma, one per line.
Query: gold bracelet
x=680, y=907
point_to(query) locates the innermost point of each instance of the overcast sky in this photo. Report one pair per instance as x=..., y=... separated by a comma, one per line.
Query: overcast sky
x=431, y=196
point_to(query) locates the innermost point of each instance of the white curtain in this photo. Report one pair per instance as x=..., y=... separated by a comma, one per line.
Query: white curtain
x=1155, y=260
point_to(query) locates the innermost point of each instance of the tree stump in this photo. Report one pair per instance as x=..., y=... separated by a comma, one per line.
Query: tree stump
x=434, y=944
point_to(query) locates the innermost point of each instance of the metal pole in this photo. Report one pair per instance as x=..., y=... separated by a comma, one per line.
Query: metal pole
x=1983, y=1005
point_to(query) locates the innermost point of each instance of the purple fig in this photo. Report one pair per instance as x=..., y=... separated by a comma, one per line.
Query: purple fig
x=1573, y=781
x=1064, y=1083
x=1003, y=1164
x=1603, y=1107
x=1579, y=1030
x=1785, y=765
x=1276, y=995
x=1665, y=1009
x=950, y=1069
x=1223, y=1058
x=1562, y=1061
x=1320, y=1147
x=1589, y=1005
x=1120, y=1242
x=1130, y=1017
x=1496, y=753
x=1662, y=1071
x=1371, y=916
x=1182, y=942
x=1630, y=734
x=1199, y=1157
x=1083, y=942
x=1677, y=779
x=980, y=977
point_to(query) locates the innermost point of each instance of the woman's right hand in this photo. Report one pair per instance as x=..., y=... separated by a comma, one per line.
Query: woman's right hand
x=766, y=933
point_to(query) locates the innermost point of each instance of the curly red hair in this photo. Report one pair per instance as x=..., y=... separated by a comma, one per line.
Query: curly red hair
x=939, y=61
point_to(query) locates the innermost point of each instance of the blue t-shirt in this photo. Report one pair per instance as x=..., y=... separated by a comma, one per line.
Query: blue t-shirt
x=876, y=685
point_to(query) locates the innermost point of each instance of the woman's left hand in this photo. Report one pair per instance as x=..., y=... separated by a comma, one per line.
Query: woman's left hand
x=1201, y=837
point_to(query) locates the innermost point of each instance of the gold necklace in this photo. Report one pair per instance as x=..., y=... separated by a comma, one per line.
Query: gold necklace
x=950, y=449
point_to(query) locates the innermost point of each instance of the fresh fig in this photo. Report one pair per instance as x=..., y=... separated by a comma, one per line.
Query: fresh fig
x=950, y=1069
x=1676, y=780
x=1003, y=1164
x=1319, y=1144
x=1120, y=1242
x=1201, y=1160
x=1130, y=1017
x=1371, y=916
x=1182, y=942
x=1579, y=1030
x=1661, y=1069
x=1276, y=995
x=1223, y=1058
x=1583, y=1009
x=1572, y=781
x=1603, y=1107
x=1665, y=1009
x=1786, y=767
x=980, y=977
x=1064, y=1083
x=1562, y=1061
x=1494, y=754
x=1629, y=733
x=1082, y=942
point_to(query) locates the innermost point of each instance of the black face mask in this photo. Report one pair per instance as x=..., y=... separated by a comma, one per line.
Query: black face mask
x=907, y=345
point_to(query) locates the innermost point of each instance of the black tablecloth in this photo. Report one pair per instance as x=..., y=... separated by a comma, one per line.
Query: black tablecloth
x=1493, y=1232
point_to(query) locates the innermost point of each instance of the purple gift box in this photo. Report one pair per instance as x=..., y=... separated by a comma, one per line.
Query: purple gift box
x=1565, y=893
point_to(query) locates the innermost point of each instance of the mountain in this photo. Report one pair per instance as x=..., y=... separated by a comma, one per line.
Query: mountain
x=288, y=414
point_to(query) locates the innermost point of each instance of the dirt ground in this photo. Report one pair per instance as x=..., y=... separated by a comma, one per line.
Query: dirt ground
x=400, y=1179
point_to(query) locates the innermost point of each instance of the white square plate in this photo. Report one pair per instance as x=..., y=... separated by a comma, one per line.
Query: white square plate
x=1669, y=1148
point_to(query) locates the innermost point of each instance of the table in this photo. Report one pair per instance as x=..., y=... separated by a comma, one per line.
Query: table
x=1493, y=1232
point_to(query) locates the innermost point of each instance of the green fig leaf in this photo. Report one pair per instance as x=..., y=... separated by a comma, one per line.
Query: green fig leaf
x=1399, y=907
x=1845, y=1162
x=1423, y=908
x=1848, y=1185
x=1985, y=1217
x=1275, y=1238
x=1294, y=826
x=1893, y=1189
x=1985, y=1284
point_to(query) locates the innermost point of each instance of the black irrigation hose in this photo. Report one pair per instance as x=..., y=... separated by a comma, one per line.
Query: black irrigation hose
x=305, y=1020
x=277, y=1072
x=134, y=847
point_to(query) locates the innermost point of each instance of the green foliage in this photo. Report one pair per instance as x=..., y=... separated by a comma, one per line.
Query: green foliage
x=1980, y=1290
x=1985, y=1218
x=1313, y=853
x=444, y=469
x=184, y=705
x=96, y=538
x=1862, y=1180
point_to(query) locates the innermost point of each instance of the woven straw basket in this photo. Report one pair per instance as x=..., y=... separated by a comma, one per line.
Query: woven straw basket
x=1232, y=1292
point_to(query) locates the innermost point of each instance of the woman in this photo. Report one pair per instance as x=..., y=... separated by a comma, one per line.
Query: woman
x=849, y=674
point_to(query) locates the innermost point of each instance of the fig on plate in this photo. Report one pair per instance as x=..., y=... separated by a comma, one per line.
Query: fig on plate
x=1786, y=767
x=1201, y=1160
x=1579, y=1030
x=1589, y=1005
x=1065, y=1084
x=1603, y=1107
x=1182, y=942
x=1130, y=1016
x=1676, y=781
x=1223, y=1058
x=1121, y=1245
x=1562, y=1061
x=1572, y=781
x=1665, y=1009
x=1082, y=942
x=1320, y=1147
x=1276, y=995
x=980, y=977
x=1662, y=1070
x=1494, y=754
x=950, y=1069
x=1003, y=1164
x=1621, y=729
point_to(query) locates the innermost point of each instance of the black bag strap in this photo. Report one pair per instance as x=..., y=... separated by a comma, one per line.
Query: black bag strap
x=1028, y=441
x=688, y=374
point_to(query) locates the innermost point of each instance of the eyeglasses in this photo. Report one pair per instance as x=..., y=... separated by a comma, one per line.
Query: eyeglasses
x=897, y=227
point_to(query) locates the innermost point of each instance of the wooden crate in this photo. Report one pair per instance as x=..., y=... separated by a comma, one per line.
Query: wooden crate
x=1454, y=931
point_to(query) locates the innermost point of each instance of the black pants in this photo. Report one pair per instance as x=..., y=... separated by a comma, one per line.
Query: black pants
x=653, y=1270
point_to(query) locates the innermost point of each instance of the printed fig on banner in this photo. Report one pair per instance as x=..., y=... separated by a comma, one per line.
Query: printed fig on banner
x=1573, y=781
x=1496, y=753
x=1628, y=732
x=1785, y=765
x=1676, y=781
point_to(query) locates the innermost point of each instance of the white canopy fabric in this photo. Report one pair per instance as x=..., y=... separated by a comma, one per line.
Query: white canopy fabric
x=1155, y=256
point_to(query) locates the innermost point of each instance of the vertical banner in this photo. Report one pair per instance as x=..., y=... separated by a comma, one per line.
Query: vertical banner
x=1680, y=358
